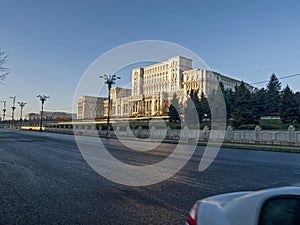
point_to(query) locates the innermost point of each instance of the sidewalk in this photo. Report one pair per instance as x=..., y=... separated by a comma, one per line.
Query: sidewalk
x=260, y=147
x=245, y=146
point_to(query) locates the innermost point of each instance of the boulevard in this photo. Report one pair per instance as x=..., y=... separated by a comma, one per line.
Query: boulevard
x=45, y=180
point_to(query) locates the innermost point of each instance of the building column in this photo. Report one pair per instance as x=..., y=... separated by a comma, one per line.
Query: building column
x=146, y=107
x=151, y=107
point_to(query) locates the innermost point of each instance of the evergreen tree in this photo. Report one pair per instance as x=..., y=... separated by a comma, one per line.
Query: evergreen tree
x=259, y=98
x=289, y=106
x=229, y=98
x=297, y=100
x=230, y=101
x=273, y=96
x=174, y=109
x=203, y=109
x=242, y=112
x=191, y=116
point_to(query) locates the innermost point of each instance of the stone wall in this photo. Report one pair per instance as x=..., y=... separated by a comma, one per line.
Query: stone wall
x=288, y=137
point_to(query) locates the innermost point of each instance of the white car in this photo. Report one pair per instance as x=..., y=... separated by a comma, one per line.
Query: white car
x=276, y=206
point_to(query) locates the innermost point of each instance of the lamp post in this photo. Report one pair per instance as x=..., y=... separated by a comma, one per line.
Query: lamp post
x=21, y=104
x=43, y=98
x=13, y=110
x=4, y=110
x=109, y=80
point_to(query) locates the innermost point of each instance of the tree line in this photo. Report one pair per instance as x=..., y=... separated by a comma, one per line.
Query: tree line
x=243, y=105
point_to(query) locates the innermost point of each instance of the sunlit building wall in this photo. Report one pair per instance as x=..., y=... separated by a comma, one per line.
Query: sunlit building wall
x=153, y=88
x=90, y=107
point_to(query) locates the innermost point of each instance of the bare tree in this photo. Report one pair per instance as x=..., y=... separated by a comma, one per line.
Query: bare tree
x=3, y=70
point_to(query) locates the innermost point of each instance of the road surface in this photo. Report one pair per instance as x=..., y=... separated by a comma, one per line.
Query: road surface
x=45, y=180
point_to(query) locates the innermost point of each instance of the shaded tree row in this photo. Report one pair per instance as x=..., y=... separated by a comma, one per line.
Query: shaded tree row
x=195, y=109
x=243, y=106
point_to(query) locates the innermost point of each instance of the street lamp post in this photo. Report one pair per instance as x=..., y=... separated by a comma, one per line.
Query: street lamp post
x=43, y=98
x=13, y=110
x=4, y=110
x=21, y=104
x=109, y=80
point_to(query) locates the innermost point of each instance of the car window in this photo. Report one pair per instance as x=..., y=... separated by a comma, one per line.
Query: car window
x=284, y=210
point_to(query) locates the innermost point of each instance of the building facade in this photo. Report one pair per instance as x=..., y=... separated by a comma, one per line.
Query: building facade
x=47, y=115
x=154, y=86
x=90, y=107
x=205, y=81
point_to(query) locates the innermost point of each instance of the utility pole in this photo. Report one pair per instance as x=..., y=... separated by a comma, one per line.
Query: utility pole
x=4, y=110
x=43, y=98
x=21, y=104
x=13, y=110
x=109, y=80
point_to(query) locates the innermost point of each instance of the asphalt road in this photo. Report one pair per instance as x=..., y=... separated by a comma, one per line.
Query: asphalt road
x=45, y=180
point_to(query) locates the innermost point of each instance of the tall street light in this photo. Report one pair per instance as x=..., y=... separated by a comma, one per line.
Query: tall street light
x=4, y=110
x=109, y=80
x=13, y=110
x=21, y=104
x=43, y=98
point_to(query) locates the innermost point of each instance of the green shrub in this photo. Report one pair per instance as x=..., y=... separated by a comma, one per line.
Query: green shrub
x=247, y=127
x=272, y=125
x=205, y=123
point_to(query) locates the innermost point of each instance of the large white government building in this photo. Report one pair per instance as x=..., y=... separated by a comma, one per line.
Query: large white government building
x=153, y=88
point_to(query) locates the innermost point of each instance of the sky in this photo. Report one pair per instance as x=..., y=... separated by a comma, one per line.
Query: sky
x=51, y=43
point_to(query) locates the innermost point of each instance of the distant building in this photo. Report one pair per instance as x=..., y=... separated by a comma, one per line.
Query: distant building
x=32, y=116
x=47, y=115
x=153, y=88
x=90, y=107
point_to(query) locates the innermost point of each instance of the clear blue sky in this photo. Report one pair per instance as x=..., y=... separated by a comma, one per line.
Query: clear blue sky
x=51, y=43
